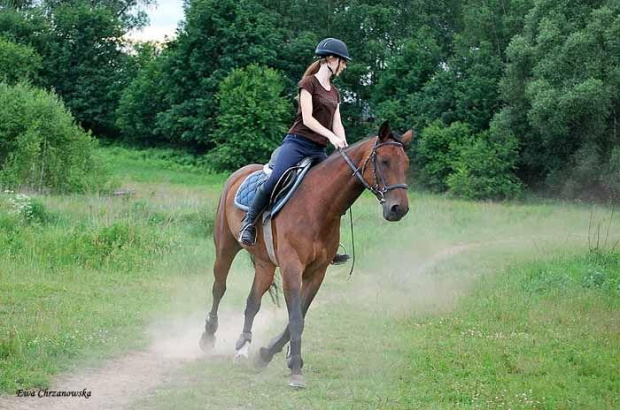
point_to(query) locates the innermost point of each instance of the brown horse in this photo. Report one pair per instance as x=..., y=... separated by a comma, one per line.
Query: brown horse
x=306, y=235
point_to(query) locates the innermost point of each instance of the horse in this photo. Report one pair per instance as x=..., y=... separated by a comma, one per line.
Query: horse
x=306, y=236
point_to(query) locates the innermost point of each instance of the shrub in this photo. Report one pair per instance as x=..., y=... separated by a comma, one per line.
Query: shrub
x=252, y=118
x=41, y=147
x=483, y=168
x=28, y=209
x=17, y=62
x=437, y=152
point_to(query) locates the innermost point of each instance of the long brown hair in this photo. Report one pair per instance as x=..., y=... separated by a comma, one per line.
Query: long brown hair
x=313, y=68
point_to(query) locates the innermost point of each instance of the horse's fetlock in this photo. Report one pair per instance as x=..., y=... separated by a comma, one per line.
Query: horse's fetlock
x=211, y=324
x=243, y=339
x=295, y=362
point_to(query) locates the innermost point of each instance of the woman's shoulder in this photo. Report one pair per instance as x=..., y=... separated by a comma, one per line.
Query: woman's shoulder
x=308, y=83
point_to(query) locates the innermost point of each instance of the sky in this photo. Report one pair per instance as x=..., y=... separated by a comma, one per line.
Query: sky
x=163, y=21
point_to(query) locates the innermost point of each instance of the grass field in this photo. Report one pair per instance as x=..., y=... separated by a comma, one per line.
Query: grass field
x=460, y=305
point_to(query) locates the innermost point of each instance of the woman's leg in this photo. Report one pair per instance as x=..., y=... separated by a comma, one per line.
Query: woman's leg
x=291, y=152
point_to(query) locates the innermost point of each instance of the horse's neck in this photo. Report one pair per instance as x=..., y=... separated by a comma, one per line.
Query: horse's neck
x=337, y=187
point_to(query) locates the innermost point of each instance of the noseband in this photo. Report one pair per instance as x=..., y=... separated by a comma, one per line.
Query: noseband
x=378, y=190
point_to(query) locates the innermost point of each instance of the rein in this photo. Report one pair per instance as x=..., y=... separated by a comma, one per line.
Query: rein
x=378, y=191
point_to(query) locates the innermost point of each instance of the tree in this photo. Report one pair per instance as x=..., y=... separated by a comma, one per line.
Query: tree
x=562, y=90
x=85, y=64
x=142, y=101
x=253, y=117
x=217, y=37
x=18, y=62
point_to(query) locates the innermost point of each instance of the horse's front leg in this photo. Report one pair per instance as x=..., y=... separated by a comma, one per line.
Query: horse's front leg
x=311, y=284
x=292, y=295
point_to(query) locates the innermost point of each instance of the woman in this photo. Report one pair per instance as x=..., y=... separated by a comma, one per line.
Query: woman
x=317, y=124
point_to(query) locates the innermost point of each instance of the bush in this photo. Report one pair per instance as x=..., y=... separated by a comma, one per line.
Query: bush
x=484, y=168
x=17, y=62
x=252, y=118
x=437, y=152
x=41, y=147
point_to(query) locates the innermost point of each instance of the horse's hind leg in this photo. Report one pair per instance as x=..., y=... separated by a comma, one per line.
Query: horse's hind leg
x=227, y=248
x=263, y=278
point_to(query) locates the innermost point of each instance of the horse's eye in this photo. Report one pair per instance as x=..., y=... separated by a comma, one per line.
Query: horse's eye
x=385, y=162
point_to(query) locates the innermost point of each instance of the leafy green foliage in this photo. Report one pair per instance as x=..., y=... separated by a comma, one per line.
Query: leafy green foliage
x=17, y=62
x=561, y=86
x=140, y=104
x=484, y=168
x=217, y=37
x=40, y=145
x=252, y=118
x=438, y=150
x=85, y=64
x=547, y=72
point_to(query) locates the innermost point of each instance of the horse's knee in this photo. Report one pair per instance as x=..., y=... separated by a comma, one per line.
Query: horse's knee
x=252, y=307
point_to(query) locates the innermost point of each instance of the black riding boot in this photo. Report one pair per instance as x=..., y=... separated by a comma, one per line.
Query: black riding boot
x=340, y=259
x=247, y=232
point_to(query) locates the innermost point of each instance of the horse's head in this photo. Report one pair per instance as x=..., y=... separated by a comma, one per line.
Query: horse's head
x=386, y=171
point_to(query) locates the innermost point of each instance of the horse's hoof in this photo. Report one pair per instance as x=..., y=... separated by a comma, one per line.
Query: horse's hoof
x=297, y=381
x=207, y=342
x=242, y=356
x=260, y=362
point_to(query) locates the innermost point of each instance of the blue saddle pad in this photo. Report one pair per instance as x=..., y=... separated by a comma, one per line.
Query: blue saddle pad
x=247, y=190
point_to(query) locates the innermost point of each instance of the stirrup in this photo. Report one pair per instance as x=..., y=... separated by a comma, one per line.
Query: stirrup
x=244, y=230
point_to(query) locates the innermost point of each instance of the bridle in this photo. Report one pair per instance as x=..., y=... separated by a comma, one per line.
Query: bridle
x=379, y=188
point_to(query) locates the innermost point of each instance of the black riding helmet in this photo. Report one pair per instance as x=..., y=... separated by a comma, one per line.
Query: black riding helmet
x=332, y=47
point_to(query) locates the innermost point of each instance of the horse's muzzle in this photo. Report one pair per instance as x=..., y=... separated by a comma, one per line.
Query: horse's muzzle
x=394, y=212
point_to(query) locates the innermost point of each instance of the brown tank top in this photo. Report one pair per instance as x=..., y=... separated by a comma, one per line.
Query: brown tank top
x=324, y=105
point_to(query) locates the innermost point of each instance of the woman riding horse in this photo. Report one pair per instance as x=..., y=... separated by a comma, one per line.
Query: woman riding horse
x=306, y=232
x=318, y=123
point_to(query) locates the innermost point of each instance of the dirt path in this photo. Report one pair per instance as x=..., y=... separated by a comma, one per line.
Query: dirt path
x=121, y=381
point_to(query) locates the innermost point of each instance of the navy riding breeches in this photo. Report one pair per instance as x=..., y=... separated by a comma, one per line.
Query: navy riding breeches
x=294, y=148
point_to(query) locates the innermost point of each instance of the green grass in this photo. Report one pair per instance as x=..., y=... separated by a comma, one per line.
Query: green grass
x=461, y=304
x=81, y=275
x=538, y=335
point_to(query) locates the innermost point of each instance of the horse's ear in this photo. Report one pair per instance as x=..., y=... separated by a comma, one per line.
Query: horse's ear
x=407, y=137
x=384, y=131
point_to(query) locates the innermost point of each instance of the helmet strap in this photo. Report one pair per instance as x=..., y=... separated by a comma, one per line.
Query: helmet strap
x=337, y=68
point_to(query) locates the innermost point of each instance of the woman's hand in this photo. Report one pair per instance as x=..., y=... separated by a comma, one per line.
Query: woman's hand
x=337, y=141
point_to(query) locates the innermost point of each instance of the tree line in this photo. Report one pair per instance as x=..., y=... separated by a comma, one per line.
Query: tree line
x=503, y=94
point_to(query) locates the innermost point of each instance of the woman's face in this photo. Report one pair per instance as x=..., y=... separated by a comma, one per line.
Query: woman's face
x=333, y=63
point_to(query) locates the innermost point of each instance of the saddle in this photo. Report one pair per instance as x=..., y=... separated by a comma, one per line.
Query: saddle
x=283, y=191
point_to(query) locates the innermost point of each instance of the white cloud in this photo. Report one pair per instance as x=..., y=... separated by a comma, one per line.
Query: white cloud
x=164, y=19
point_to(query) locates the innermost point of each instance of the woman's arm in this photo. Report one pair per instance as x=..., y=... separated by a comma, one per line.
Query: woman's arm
x=305, y=100
x=338, y=128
